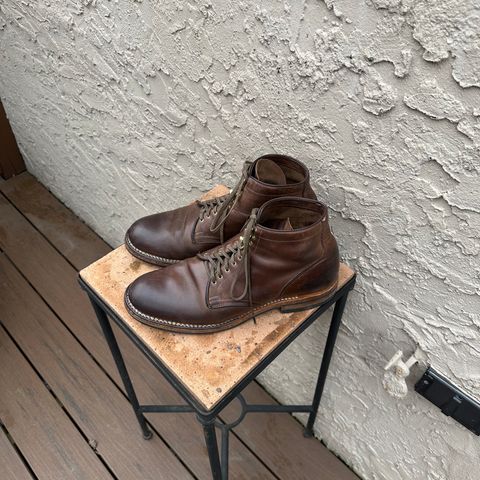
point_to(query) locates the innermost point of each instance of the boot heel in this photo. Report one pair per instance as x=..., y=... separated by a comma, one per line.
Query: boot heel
x=300, y=307
x=311, y=302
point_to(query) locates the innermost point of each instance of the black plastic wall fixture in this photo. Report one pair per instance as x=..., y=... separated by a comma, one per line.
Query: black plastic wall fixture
x=450, y=399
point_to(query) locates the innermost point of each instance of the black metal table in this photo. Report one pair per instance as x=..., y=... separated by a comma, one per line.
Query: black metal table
x=105, y=309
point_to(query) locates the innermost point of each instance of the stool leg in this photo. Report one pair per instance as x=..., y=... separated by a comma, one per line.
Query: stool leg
x=225, y=429
x=122, y=369
x=327, y=356
x=212, y=447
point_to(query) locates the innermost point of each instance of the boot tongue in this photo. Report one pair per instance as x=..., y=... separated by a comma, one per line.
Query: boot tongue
x=267, y=171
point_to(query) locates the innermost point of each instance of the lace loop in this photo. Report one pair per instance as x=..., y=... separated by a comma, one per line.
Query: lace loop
x=222, y=259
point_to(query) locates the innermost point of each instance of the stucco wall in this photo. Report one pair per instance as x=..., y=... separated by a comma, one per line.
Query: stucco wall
x=126, y=108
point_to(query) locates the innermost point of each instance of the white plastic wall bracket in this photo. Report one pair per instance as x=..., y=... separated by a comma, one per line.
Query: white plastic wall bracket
x=396, y=371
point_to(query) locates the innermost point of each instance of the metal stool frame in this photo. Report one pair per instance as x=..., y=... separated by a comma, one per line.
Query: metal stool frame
x=208, y=418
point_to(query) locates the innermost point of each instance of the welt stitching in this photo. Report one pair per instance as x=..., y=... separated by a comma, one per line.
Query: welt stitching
x=195, y=326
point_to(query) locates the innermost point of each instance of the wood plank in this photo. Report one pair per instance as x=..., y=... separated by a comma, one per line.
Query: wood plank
x=56, y=281
x=96, y=405
x=50, y=274
x=73, y=238
x=49, y=441
x=13, y=467
x=11, y=161
x=307, y=458
x=310, y=454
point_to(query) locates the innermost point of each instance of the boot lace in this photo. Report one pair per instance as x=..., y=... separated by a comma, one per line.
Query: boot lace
x=211, y=207
x=222, y=206
x=222, y=259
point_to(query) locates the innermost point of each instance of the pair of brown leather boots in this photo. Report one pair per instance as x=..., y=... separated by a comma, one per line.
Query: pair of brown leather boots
x=266, y=245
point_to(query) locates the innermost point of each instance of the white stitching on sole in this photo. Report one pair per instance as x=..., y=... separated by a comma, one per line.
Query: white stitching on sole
x=195, y=326
x=149, y=255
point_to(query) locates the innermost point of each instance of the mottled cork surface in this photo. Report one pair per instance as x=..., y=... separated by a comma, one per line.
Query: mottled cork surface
x=209, y=365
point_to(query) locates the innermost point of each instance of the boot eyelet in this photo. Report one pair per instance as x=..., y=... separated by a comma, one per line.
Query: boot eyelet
x=227, y=270
x=214, y=283
x=234, y=264
x=220, y=277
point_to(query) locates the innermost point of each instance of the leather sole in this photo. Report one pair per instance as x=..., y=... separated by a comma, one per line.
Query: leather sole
x=285, y=305
x=147, y=257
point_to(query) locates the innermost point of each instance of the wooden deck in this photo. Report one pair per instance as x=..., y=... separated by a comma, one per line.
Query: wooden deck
x=63, y=412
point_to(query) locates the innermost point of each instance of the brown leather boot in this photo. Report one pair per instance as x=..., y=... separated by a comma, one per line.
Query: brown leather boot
x=285, y=257
x=168, y=237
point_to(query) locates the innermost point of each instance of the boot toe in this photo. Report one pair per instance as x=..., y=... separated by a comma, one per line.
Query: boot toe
x=164, y=238
x=146, y=300
x=170, y=298
x=138, y=236
x=148, y=240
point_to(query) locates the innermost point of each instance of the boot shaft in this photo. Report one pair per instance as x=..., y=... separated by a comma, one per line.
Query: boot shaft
x=268, y=177
x=292, y=251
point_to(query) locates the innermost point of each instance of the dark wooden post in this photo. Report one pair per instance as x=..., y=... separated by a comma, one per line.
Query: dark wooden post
x=11, y=161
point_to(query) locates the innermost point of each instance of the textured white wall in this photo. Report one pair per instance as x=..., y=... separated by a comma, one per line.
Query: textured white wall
x=126, y=108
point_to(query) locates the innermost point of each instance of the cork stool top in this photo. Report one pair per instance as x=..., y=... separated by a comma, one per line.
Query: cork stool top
x=208, y=365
